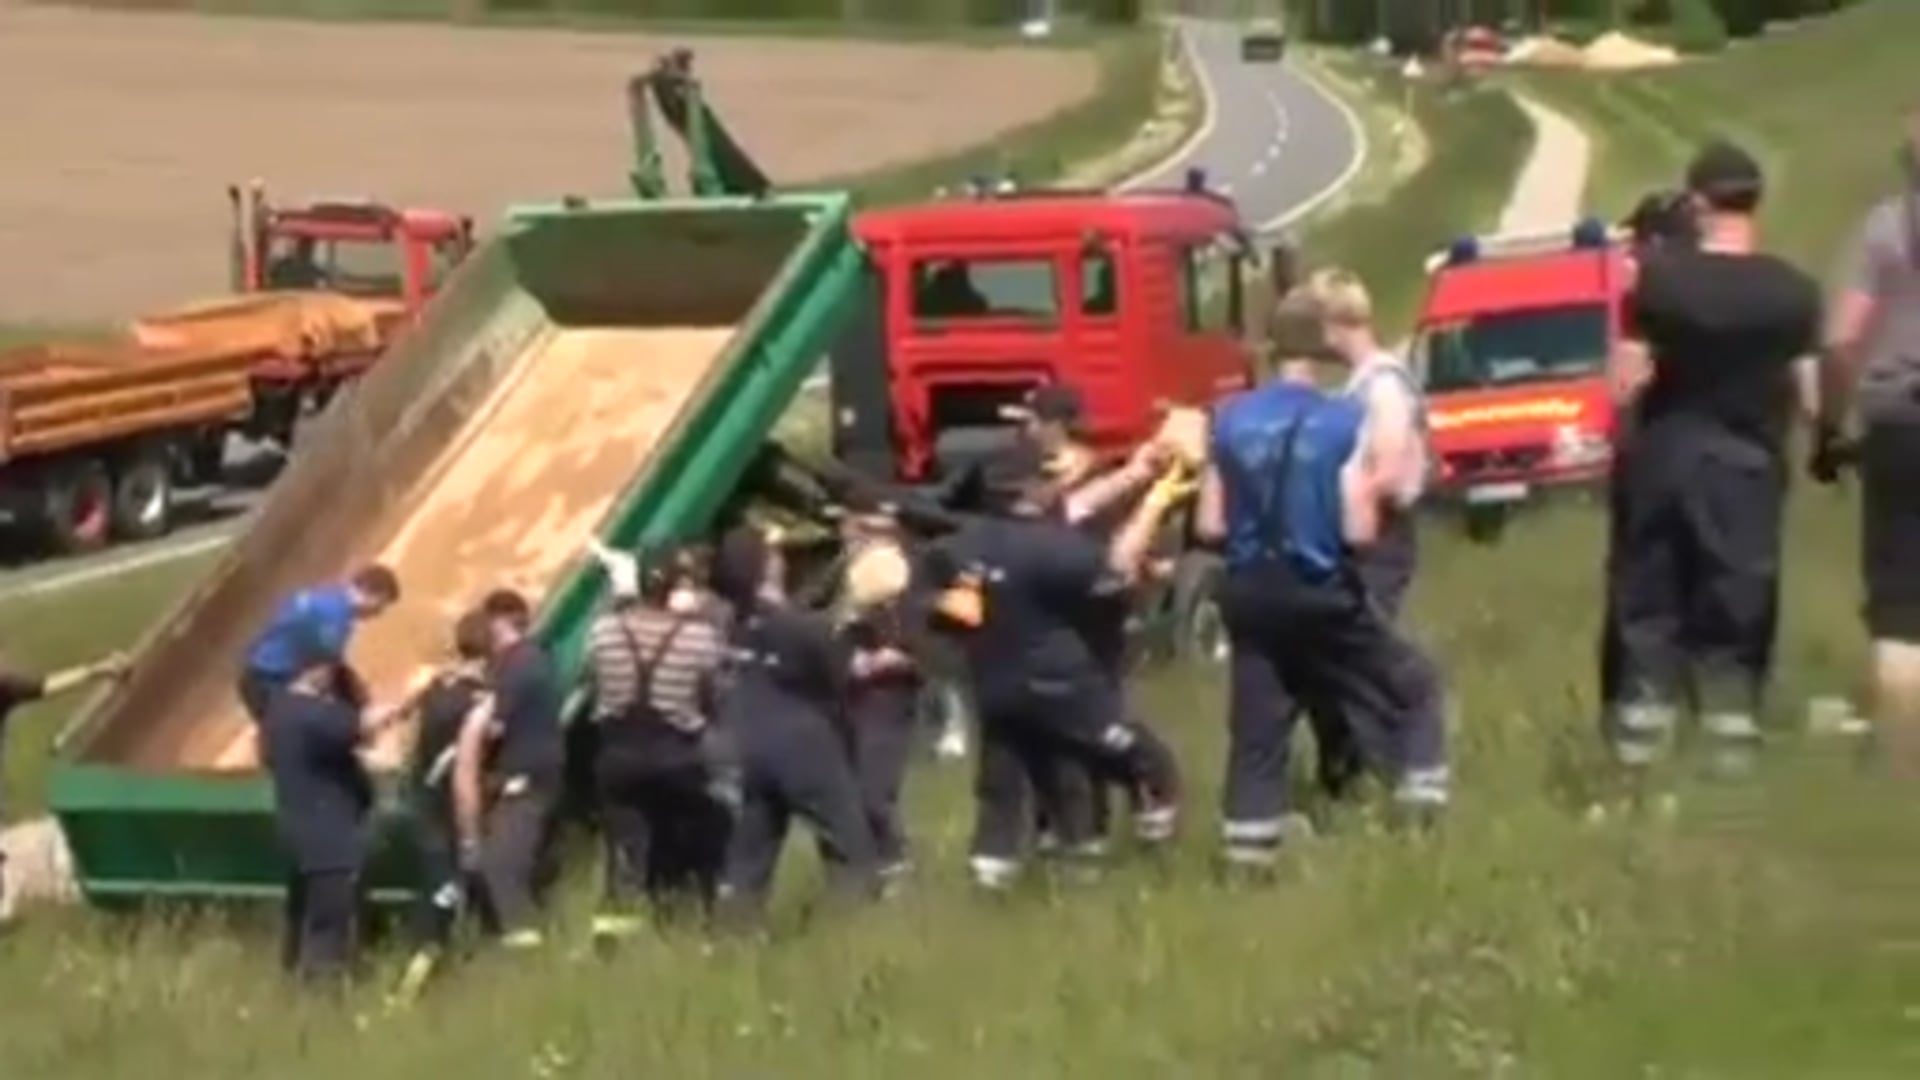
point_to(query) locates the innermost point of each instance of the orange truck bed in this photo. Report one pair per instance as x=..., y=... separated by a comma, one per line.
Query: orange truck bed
x=62, y=396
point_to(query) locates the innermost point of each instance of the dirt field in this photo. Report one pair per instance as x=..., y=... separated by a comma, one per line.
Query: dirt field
x=120, y=131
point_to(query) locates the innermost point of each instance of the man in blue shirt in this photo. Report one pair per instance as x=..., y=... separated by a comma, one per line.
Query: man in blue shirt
x=1292, y=496
x=314, y=622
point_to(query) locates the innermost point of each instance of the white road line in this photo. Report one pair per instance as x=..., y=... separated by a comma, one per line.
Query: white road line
x=115, y=567
x=1360, y=151
x=1209, y=117
x=1260, y=167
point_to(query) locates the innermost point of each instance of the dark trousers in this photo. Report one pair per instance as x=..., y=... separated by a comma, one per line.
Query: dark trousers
x=1890, y=530
x=439, y=885
x=256, y=691
x=666, y=832
x=1072, y=779
x=514, y=837
x=795, y=764
x=1693, y=572
x=883, y=733
x=322, y=909
x=1294, y=643
x=1043, y=737
x=1386, y=572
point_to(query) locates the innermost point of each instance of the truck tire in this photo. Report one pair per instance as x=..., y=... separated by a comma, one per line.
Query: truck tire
x=76, y=506
x=143, y=495
x=205, y=459
x=1200, y=633
x=1486, y=524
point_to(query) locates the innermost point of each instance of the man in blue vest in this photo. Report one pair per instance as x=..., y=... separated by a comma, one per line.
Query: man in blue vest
x=1293, y=496
x=316, y=622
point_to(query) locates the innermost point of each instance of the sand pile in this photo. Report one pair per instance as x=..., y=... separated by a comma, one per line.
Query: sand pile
x=1547, y=52
x=1618, y=52
x=511, y=501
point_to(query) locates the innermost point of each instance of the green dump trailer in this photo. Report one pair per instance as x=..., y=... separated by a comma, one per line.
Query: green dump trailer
x=780, y=270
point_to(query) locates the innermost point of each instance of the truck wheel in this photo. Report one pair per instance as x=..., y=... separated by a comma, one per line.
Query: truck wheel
x=1200, y=632
x=143, y=496
x=1485, y=524
x=76, y=509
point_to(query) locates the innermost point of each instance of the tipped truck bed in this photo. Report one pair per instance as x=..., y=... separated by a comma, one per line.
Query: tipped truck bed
x=144, y=816
x=64, y=397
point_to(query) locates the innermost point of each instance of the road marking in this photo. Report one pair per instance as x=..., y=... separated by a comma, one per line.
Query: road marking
x=1360, y=150
x=1260, y=167
x=1209, y=117
x=115, y=567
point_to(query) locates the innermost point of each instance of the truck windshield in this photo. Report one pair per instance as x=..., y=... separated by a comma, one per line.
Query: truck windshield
x=1516, y=347
x=986, y=288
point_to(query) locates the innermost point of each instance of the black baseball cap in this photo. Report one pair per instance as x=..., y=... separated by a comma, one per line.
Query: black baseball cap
x=1723, y=170
x=1056, y=403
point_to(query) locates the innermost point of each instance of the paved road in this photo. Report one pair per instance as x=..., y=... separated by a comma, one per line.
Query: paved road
x=1274, y=139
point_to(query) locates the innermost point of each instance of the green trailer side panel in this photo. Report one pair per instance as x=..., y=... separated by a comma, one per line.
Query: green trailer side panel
x=782, y=270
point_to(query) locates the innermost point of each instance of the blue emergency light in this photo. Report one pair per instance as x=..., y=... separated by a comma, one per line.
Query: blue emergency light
x=1464, y=250
x=1590, y=233
x=1196, y=179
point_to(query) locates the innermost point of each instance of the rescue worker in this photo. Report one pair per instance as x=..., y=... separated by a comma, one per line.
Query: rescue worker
x=18, y=688
x=654, y=659
x=1693, y=567
x=1294, y=494
x=440, y=710
x=1872, y=365
x=783, y=705
x=322, y=796
x=1394, y=441
x=508, y=772
x=1043, y=694
x=884, y=689
x=316, y=620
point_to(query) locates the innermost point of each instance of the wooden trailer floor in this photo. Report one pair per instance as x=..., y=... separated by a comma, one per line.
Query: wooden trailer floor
x=510, y=503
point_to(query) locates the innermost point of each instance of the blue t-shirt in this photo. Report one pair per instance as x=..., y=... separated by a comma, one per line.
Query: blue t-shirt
x=1279, y=450
x=311, y=625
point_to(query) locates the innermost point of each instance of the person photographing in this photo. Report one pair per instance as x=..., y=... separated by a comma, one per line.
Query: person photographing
x=1870, y=376
x=1722, y=335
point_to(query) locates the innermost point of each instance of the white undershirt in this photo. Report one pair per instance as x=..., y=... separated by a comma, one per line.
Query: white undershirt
x=1369, y=379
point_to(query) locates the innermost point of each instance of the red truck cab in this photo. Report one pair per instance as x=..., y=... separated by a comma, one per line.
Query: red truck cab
x=1512, y=344
x=1135, y=300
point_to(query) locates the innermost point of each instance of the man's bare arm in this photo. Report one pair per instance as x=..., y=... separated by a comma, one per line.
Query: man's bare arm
x=1210, y=514
x=1848, y=330
x=1392, y=446
x=470, y=751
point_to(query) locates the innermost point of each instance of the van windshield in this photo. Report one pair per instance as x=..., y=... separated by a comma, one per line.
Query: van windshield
x=1513, y=348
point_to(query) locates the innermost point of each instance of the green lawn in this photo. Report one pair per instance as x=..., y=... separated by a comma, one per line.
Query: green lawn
x=1764, y=929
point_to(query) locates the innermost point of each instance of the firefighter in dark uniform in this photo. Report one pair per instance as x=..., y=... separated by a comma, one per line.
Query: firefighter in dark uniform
x=783, y=706
x=1294, y=498
x=1027, y=582
x=322, y=797
x=1726, y=335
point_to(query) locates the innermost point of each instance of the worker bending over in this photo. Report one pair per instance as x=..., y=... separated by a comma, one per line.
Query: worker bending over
x=878, y=615
x=508, y=773
x=18, y=688
x=315, y=621
x=1699, y=477
x=1043, y=694
x=783, y=705
x=322, y=797
x=1294, y=495
x=654, y=661
x=1872, y=364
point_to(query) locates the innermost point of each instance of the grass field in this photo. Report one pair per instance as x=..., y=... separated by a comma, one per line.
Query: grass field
x=1764, y=929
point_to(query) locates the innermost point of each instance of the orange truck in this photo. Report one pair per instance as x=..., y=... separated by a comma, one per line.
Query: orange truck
x=96, y=438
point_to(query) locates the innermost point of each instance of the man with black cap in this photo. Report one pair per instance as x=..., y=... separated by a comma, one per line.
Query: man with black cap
x=1725, y=332
x=1872, y=367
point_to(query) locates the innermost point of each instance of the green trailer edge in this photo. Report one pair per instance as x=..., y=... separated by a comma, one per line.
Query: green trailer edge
x=130, y=830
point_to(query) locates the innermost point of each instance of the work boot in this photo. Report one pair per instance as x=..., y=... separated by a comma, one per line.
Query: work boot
x=1733, y=744
x=1638, y=734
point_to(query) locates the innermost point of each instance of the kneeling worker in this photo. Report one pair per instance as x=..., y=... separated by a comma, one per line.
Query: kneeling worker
x=315, y=621
x=1290, y=495
x=322, y=796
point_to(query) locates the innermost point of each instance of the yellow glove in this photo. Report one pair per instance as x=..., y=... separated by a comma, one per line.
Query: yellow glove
x=1173, y=486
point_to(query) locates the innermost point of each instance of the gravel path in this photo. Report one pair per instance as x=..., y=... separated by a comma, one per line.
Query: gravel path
x=1551, y=189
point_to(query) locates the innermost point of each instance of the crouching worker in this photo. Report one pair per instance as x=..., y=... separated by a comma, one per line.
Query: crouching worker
x=1290, y=495
x=782, y=705
x=1045, y=698
x=316, y=621
x=508, y=771
x=440, y=711
x=322, y=797
x=654, y=659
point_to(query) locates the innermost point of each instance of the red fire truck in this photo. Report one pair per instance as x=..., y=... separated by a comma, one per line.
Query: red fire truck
x=1512, y=343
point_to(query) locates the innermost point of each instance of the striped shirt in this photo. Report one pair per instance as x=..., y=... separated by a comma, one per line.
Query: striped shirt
x=622, y=641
